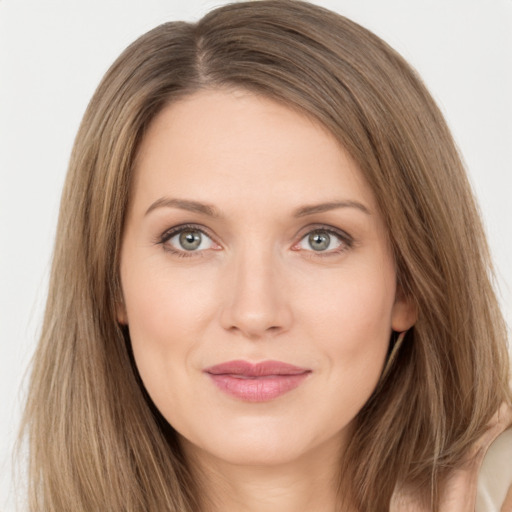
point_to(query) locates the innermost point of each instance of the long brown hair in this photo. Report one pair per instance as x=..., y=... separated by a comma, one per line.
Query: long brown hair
x=96, y=441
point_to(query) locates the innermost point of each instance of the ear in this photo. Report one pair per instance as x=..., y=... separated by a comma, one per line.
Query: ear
x=404, y=313
x=121, y=315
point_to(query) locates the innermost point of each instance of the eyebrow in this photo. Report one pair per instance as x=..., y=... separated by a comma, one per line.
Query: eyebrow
x=184, y=204
x=331, y=205
x=211, y=211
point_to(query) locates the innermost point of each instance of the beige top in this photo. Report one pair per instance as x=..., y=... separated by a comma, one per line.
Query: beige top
x=484, y=484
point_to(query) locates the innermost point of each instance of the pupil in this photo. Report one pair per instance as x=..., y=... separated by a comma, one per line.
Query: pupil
x=319, y=241
x=190, y=240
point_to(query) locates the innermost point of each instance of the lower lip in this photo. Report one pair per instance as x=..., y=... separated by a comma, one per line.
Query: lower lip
x=257, y=389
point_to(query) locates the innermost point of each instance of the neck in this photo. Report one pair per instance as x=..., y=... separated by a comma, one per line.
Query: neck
x=310, y=483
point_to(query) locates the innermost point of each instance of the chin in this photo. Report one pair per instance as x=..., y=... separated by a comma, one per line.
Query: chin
x=263, y=444
x=245, y=452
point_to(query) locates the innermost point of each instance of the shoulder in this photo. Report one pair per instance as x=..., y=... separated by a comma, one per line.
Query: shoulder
x=483, y=483
x=494, y=490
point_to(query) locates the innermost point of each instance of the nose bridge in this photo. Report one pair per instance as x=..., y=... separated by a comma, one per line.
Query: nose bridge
x=256, y=303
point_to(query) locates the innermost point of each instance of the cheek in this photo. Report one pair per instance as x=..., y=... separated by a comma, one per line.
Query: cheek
x=354, y=302
x=349, y=316
x=166, y=314
x=160, y=300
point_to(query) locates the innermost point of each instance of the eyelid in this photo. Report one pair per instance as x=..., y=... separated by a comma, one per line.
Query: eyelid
x=169, y=233
x=175, y=230
x=346, y=239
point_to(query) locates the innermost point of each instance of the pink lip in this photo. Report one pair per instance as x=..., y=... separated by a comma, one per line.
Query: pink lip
x=258, y=382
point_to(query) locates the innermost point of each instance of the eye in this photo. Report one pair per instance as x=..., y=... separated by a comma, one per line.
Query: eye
x=324, y=241
x=187, y=239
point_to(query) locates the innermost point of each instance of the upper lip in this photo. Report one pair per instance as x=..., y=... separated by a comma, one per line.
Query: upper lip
x=262, y=369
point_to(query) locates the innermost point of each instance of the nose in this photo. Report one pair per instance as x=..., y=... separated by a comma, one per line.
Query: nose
x=256, y=303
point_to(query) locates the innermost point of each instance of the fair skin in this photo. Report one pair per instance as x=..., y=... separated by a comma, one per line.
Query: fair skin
x=252, y=236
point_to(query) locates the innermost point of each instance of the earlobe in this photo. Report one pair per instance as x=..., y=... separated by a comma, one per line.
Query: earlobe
x=121, y=314
x=404, y=314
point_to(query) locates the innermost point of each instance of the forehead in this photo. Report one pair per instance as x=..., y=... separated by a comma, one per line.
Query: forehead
x=233, y=144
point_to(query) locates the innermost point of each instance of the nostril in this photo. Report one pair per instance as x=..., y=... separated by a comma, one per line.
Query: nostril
x=255, y=308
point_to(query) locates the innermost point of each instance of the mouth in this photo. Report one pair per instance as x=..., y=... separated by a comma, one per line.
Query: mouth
x=258, y=382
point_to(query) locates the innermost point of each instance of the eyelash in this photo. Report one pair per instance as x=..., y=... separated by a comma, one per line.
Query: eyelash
x=345, y=239
x=170, y=233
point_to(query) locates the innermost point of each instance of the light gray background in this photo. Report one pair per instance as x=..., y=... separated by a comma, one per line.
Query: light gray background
x=53, y=54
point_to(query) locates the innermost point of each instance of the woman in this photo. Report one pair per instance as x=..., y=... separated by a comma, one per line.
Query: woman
x=270, y=286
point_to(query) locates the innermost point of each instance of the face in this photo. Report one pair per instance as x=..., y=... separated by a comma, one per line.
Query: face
x=258, y=285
